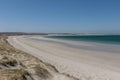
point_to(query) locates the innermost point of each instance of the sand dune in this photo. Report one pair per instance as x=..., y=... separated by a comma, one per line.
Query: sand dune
x=82, y=64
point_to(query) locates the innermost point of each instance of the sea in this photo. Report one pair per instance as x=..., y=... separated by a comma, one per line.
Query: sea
x=106, y=39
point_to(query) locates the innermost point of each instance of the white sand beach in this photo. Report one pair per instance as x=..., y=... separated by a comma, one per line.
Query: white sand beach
x=84, y=64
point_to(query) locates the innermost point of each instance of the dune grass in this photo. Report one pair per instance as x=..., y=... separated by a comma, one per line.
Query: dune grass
x=15, y=64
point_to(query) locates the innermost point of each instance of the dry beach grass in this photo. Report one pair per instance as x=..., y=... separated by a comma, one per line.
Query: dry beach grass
x=16, y=65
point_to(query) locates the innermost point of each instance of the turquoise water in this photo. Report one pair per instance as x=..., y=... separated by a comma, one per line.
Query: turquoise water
x=111, y=39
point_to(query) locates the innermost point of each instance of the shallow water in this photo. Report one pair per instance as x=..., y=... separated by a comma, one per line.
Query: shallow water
x=109, y=39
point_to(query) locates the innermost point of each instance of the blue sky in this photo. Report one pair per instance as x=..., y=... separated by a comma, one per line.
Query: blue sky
x=74, y=16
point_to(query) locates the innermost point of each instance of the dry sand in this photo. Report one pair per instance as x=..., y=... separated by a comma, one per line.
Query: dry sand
x=81, y=63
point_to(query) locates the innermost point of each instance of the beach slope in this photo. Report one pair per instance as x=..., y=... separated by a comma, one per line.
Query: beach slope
x=81, y=64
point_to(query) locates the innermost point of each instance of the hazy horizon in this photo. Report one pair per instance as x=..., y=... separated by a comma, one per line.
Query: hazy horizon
x=60, y=16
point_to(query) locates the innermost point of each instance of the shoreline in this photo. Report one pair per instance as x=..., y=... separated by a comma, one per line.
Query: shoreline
x=82, y=64
x=86, y=45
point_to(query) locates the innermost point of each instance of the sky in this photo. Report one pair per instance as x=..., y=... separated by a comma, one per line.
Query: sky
x=60, y=16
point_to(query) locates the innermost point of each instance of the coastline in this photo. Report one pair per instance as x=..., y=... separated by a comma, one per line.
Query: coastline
x=82, y=64
x=86, y=45
x=16, y=64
